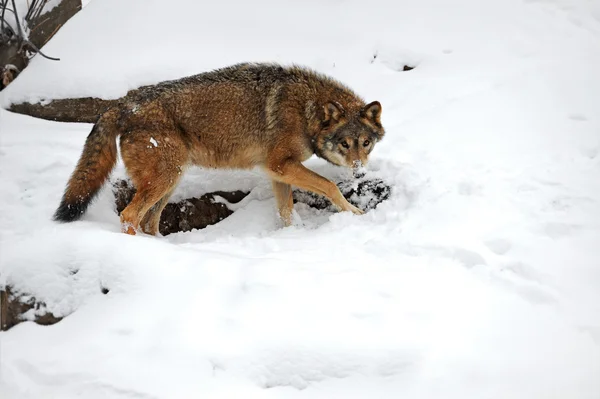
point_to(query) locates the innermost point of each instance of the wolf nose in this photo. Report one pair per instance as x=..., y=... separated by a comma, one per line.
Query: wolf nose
x=358, y=169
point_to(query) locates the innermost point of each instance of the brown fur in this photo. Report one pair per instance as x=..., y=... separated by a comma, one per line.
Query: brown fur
x=239, y=117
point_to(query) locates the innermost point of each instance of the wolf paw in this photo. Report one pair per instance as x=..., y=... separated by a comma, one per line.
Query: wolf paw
x=128, y=228
x=356, y=210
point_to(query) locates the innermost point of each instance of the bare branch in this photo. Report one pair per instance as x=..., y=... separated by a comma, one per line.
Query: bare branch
x=2, y=20
x=30, y=9
x=20, y=31
x=40, y=8
x=3, y=5
x=8, y=9
x=7, y=24
x=37, y=50
x=43, y=6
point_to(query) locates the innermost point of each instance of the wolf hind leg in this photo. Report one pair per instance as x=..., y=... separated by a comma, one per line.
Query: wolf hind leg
x=155, y=162
x=151, y=220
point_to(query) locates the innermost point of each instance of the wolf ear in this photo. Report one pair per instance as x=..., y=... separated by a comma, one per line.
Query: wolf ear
x=333, y=112
x=372, y=112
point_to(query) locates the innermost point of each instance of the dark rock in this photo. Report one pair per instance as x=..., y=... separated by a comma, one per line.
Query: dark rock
x=197, y=213
x=365, y=194
x=13, y=306
x=185, y=215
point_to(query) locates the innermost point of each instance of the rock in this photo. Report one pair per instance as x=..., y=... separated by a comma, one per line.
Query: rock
x=197, y=213
x=185, y=215
x=15, y=306
x=365, y=194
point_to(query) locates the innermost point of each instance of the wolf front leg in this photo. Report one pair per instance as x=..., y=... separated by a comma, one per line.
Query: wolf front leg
x=285, y=201
x=293, y=173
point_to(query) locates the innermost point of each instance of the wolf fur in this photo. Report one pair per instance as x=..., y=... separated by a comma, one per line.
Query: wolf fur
x=238, y=117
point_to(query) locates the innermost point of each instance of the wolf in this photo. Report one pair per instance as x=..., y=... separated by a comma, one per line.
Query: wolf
x=241, y=116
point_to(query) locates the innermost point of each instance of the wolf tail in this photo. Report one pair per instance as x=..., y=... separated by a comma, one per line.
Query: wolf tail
x=95, y=164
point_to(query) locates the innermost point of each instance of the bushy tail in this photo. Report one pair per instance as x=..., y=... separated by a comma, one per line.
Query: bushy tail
x=97, y=161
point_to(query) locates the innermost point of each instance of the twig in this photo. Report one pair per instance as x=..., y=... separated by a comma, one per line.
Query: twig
x=8, y=25
x=8, y=9
x=30, y=8
x=37, y=50
x=2, y=19
x=40, y=8
x=31, y=11
x=21, y=36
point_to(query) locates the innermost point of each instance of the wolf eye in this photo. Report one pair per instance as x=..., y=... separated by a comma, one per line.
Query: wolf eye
x=366, y=143
x=345, y=145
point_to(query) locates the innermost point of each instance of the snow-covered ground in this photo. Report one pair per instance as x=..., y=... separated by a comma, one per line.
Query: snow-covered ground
x=479, y=278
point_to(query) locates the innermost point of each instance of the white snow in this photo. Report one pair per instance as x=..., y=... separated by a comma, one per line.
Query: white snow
x=153, y=141
x=478, y=278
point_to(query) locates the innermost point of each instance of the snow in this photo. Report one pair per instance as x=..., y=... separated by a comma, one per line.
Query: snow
x=479, y=277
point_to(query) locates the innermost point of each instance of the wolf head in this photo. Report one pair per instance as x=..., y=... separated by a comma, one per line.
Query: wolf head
x=347, y=138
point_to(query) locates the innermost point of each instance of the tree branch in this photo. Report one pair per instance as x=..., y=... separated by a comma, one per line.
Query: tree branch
x=2, y=18
x=19, y=29
x=40, y=8
x=37, y=50
x=30, y=9
x=7, y=24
